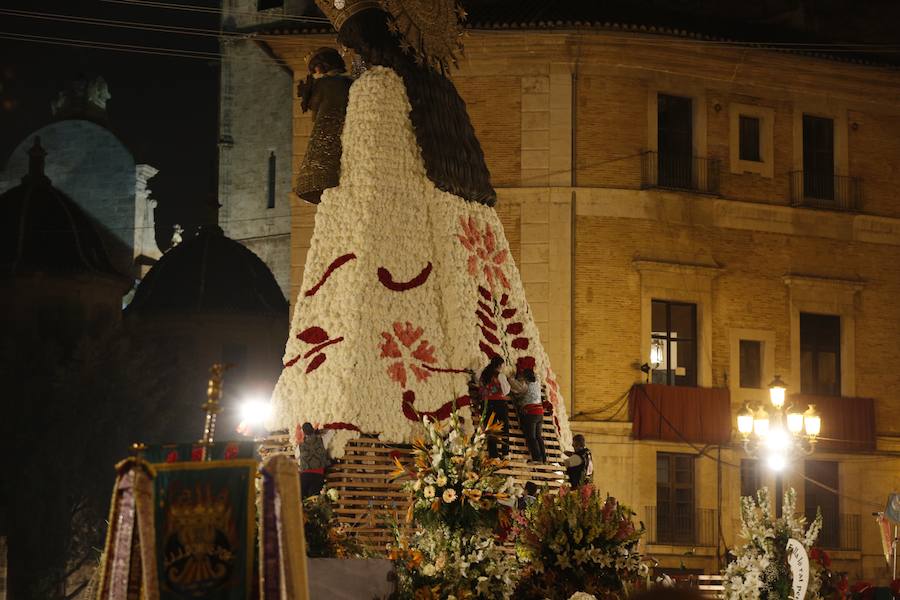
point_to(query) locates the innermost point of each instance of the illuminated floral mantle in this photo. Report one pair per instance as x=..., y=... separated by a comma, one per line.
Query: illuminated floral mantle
x=405, y=287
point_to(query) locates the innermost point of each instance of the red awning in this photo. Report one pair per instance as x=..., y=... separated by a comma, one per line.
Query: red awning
x=848, y=424
x=680, y=414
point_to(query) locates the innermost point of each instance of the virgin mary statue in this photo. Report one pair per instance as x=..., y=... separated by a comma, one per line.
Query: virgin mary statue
x=409, y=284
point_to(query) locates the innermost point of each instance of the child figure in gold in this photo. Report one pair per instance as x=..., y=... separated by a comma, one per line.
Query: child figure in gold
x=324, y=92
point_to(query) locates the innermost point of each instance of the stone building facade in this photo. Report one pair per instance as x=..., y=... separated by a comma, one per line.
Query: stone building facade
x=747, y=240
x=92, y=165
x=255, y=139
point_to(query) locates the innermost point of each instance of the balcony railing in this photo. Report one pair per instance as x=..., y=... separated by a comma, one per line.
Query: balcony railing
x=696, y=527
x=841, y=533
x=679, y=172
x=825, y=190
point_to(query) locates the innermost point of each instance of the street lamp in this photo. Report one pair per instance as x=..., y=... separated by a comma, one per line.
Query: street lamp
x=777, y=432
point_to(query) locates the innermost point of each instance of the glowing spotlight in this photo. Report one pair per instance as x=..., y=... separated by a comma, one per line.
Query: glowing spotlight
x=778, y=440
x=253, y=414
x=776, y=462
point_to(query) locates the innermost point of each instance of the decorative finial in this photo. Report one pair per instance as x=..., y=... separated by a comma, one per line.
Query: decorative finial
x=36, y=159
x=177, y=238
x=211, y=407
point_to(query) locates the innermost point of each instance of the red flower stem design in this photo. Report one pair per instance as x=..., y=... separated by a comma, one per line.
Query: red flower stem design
x=335, y=264
x=323, y=345
x=440, y=370
x=340, y=425
x=445, y=410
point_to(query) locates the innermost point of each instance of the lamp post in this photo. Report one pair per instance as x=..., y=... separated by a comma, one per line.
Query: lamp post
x=779, y=433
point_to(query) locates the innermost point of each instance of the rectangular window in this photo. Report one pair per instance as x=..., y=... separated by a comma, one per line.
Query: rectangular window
x=823, y=472
x=818, y=157
x=751, y=364
x=674, y=336
x=748, y=138
x=750, y=481
x=675, y=141
x=674, y=498
x=820, y=354
x=267, y=4
x=270, y=200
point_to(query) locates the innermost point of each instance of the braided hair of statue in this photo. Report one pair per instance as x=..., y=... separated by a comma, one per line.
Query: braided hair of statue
x=454, y=160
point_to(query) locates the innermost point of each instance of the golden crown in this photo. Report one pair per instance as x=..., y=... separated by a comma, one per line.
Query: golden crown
x=338, y=11
x=430, y=30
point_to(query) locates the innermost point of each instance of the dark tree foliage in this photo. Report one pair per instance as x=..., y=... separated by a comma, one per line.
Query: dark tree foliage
x=69, y=415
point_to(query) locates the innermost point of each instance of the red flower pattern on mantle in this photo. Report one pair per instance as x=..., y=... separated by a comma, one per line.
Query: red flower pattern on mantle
x=319, y=339
x=483, y=252
x=406, y=344
x=497, y=324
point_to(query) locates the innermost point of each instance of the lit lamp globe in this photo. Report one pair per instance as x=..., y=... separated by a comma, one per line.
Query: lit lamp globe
x=761, y=423
x=795, y=422
x=812, y=422
x=776, y=392
x=745, y=421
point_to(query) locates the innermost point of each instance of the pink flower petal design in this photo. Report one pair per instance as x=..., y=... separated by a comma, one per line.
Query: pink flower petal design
x=389, y=348
x=420, y=373
x=397, y=372
x=406, y=333
x=425, y=352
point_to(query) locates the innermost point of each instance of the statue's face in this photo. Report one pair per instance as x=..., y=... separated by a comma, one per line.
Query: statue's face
x=98, y=93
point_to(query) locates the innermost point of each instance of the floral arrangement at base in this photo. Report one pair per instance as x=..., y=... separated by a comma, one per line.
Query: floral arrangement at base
x=578, y=541
x=453, y=482
x=325, y=537
x=441, y=563
x=760, y=570
x=459, y=504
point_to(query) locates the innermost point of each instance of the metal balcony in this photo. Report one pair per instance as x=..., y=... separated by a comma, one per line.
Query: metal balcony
x=840, y=532
x=679, y=172
x=825, y=190
x=697, y=527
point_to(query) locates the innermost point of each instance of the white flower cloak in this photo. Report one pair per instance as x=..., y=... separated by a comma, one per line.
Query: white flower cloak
x=405, y=287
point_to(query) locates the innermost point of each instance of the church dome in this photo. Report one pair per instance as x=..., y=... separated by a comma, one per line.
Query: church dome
x=42, y=230
x=207, y=274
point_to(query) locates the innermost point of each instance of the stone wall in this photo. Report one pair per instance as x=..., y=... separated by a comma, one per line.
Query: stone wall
x=256, y=94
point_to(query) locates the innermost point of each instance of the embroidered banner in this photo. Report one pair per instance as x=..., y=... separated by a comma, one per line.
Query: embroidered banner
x=886, y=535
x=128, y=567
x=168, y=453
x=205, y=525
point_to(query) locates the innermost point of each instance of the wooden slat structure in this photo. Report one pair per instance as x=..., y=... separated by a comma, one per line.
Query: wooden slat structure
x=711, y=586
x=369, y=501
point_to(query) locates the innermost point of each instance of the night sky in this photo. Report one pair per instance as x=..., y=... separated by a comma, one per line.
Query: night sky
x=163, y=107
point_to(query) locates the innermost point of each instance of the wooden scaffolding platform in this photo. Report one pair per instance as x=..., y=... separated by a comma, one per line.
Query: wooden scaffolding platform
x=369, y=502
